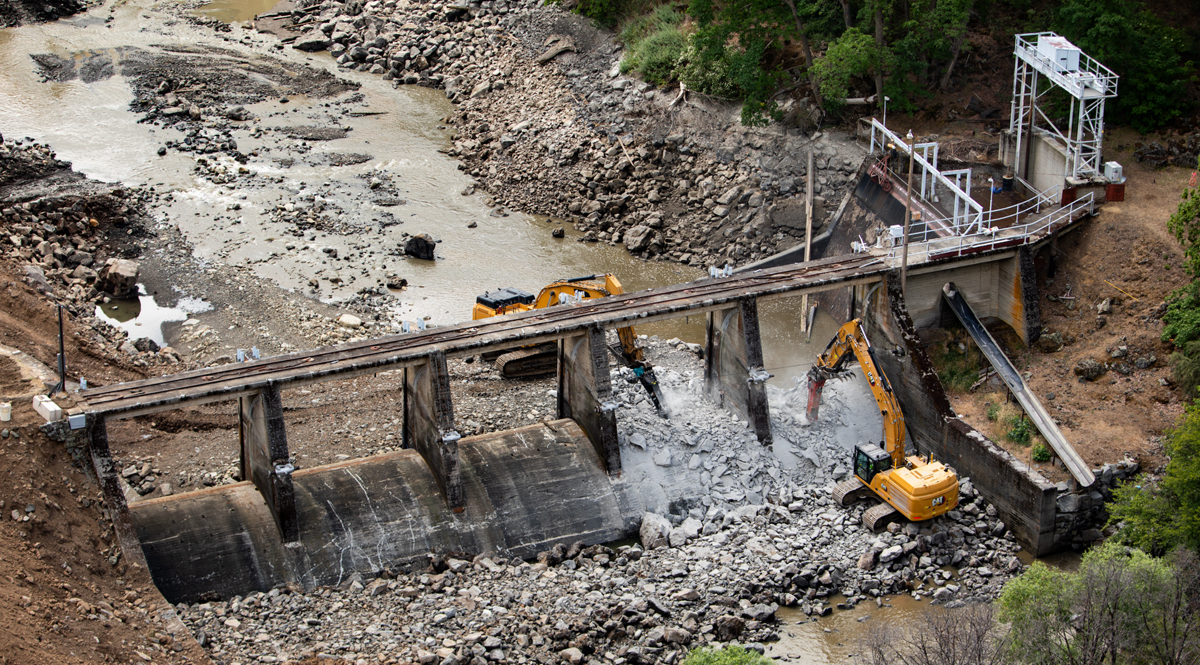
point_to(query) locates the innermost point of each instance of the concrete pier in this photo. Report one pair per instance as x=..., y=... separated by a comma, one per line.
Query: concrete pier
x=585, y=393
x=429, y=424
x=733, y=366
x=265, y=457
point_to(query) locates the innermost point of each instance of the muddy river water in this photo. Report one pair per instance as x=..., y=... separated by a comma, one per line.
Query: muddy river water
x=481, y=248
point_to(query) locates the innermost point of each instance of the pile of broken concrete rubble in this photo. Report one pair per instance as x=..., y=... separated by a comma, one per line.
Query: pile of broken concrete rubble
x=644, y=603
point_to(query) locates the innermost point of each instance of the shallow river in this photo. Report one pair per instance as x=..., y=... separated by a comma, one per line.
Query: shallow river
x=89, y=125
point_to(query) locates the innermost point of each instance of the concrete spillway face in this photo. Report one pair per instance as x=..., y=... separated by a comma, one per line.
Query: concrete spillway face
x=525, y=490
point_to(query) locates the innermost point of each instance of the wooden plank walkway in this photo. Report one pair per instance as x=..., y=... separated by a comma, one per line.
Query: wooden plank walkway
x=227, y=382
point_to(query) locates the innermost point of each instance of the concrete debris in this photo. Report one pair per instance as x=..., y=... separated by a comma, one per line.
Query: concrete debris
x=721, y=547
x=119, y=278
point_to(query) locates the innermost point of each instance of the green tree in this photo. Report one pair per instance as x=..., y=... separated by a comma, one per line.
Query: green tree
x=1159, y=516
x=745, y=37
x=1122, y=605
x=1182, y=317
x=1185, y=225
x=850, y=56
x=1038, y=606
x=932, y=39
x=1138, y=46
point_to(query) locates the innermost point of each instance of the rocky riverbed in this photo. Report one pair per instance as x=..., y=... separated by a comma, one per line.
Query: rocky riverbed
x=706, y=581
x=548, y=125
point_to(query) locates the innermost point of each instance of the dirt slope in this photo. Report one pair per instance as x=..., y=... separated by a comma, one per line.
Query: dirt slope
x=1125, y=254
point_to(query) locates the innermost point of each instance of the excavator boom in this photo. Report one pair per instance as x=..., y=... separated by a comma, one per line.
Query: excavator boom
x=851, y=342
x=915, y=487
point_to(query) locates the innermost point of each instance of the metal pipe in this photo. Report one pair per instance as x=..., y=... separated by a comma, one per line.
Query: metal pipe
x=912, y=159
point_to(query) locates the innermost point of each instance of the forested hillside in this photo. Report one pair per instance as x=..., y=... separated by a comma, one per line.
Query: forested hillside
x=923, y=55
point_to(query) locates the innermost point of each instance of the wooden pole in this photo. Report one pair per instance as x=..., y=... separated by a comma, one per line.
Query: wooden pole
x=808, y=215
x=907, y=218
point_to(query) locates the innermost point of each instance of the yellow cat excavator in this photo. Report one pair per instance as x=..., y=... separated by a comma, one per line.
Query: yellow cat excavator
x=541, y=359
x=915, y=487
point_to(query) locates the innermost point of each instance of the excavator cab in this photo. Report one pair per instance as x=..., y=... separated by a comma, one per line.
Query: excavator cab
x=541, y=359
x=870, y=460
x=500, y=301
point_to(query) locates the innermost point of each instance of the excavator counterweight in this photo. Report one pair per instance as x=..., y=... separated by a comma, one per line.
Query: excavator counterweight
x=914, y=487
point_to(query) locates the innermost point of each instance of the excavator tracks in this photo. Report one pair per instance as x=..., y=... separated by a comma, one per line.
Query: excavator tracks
x=849, y=491
x=875, y=517
x=878, y=517
x=539, y=360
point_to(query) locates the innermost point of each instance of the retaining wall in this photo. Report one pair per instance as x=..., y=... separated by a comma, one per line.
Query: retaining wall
x=1026, y=501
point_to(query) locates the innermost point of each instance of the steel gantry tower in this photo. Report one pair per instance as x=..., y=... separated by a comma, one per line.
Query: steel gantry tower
x=1088, y=82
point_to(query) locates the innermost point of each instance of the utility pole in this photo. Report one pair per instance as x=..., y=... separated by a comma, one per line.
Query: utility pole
x=808, y=214
x=907, y=217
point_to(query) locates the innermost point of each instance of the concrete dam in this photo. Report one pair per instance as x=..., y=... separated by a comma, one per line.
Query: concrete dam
x=577, y=478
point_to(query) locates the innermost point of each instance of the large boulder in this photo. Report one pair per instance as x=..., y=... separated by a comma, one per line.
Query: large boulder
x=654, y=532
x=420, y=247
x=312, y=42
x=638, y=238
x=1089, y=370
x=728, y=627
x=119, y=277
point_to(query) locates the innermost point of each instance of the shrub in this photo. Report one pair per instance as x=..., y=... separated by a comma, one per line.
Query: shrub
x=1020, y=430
x=707, y=76
x=1182, y=318
x=1041, y=453
x=641, y=27
x=656, y=56
x=958, y=371
x=729, y=655
x=993, y=412
x=1185, y=368
x=608, y=13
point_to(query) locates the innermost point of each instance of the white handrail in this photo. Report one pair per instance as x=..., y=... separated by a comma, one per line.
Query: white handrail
x=1032, y=204
x=1023, y=234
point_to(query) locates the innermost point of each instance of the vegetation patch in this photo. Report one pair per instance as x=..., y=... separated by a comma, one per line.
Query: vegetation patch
x=728, y=655
x=957, y=370
x=654, y=44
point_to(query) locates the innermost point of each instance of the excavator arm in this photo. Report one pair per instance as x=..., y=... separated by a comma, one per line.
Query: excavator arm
x=851, y=342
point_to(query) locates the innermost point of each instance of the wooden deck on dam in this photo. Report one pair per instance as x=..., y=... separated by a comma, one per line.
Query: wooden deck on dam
x=124, y=400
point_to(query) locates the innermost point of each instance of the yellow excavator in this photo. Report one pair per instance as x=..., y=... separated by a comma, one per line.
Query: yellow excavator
x=917, y=488
x=541, y=359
